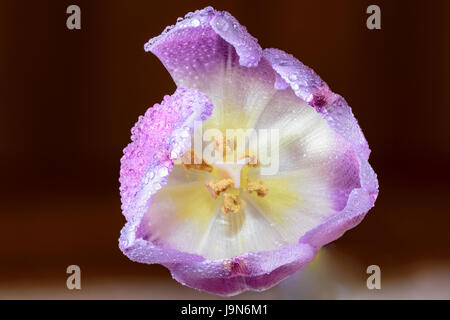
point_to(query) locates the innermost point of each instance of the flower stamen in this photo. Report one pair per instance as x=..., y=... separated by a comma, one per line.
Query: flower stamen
x=232, y=203
x=216, y=188
x=259, y=187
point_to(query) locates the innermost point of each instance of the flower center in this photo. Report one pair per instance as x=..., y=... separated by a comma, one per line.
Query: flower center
x=232, y=176
x=232, y=171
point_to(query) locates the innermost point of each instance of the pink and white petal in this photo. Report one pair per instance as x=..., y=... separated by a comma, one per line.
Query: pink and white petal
x=308, y=198
x=308, y=145
x=353, y=202
x=302, y=79
x=209, y=50
x=179, y=217
x=305, y=138
x=255, y=271
x=308, y=86
x=158, y=138
x=239, y=93
x=359, y=203
x=238, y=233
x=246, y=46
x=192, y=48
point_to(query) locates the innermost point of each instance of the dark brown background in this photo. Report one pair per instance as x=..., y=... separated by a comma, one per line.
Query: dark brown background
x=68, y=100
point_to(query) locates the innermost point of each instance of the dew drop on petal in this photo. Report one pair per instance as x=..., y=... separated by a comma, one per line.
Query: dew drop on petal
x=195, y=23
x=284, y=63
x=163, y=171
x=222, y=24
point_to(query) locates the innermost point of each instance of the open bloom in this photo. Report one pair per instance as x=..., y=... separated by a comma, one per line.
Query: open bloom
x=225, y=226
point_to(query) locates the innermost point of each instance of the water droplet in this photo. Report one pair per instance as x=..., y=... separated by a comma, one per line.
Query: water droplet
x=163, y=171
x=293, y=77
x=284, y=63
x=185, y=133
x=195, y=22
x=222, y=24
x=167, y=29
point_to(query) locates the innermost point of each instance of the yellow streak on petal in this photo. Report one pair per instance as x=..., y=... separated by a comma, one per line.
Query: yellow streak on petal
x=244, y=176
x=193, y=202
x=233, y=119
x=281, y=198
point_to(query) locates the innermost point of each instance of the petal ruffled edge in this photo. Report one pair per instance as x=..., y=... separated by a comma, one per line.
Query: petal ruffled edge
x=252, y=271
x=309, y=87
x=158, y=138
x=246, y=46
x=203, y=28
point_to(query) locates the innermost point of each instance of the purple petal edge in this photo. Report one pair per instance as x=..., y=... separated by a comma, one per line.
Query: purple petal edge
x=309, y=87
x=158, y=138
x=202, y=37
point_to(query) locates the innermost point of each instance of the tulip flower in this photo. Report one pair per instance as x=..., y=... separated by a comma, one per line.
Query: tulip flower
x=227, y=216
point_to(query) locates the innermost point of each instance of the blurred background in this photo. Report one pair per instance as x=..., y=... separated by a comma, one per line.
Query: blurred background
x=68, y=99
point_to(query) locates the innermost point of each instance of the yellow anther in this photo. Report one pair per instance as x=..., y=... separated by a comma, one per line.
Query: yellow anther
x=215, y=188
x=232, y=203
x=259, y=187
